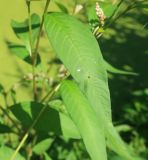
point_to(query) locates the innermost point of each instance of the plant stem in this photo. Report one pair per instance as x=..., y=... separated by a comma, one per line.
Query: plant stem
x=31, y=47
x=41, y=27
x=50, y=93
x=117, y=8
x=34, y=56
x=30, y=27
x=129, y=7
x=20, y=145
x=33, y=124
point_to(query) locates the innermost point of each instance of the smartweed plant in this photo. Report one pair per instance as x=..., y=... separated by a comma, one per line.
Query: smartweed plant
x=73, y=109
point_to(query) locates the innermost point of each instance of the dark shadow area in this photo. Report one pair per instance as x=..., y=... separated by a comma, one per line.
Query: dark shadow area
x=49, y=120
x=25, y=29
x=128, y=49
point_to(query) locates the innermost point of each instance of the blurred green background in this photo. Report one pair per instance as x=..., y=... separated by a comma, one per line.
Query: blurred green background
x=124, y=45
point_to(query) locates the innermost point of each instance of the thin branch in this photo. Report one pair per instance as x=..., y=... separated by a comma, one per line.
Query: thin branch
x=41, y=27
x=30, y=27
x=50, y=93
x=31, y=46
x=128, y=8
x=34, y=56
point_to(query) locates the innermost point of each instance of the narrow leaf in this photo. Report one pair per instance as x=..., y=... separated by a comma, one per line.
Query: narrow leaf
x=112, y=69
x=85, y=119
x=62, y=7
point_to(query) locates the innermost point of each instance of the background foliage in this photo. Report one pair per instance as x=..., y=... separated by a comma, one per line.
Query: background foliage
x=124, y=45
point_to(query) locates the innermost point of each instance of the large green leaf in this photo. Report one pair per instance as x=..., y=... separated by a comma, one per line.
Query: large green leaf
x=79, y=51
x=50, y=121
x=6, y=153
x=85, y=119
x=21, y=29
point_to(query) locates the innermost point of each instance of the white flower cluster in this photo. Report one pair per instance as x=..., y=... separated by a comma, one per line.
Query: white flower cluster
x=100, y=13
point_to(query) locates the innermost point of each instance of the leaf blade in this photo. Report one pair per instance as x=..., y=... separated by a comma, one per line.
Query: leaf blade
x=84, y=117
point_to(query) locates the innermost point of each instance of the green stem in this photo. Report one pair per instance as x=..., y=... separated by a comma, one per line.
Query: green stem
x=34, y=56
x=117, y=8
x=129, y=7
x=5, y=98
x=41, y=27
x=44, y=80
x=30, y=27
x=47, y=96
x=50, y=93
x=31, y=48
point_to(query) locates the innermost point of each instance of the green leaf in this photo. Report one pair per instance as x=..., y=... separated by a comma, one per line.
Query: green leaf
x=78, y=49
x=62, y=7
x=112, y=69
x=46, y=156
x=114, y=141
x=50, y=121
x=123, y=128
x=6, y=153
x=4, y=129
x=21, y=52
x=21, y=29
x=42, y=146
x=85, y=119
